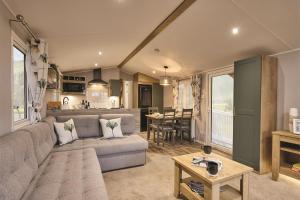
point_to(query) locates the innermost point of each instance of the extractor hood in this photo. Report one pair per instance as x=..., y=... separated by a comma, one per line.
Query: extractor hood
x=97, y=78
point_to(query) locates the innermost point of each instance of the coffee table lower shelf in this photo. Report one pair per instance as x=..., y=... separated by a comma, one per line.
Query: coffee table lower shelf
x=188, y=193
x=229, y=193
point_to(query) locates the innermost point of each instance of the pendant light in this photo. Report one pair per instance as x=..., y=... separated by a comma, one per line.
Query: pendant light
x=165, y=80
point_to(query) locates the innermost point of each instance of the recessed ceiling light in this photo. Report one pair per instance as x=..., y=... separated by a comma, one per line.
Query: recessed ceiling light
x=153, y=72
x=235, y=31
x=100, y=53
x=96, y=64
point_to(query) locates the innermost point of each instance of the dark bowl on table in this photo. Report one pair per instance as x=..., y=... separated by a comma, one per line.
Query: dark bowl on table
x=207, y=149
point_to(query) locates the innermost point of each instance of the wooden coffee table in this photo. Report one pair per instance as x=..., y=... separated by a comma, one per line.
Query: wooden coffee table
x=231, y=171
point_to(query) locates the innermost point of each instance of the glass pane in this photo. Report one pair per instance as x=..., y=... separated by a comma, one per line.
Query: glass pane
x=19, y=96
x=222, y=110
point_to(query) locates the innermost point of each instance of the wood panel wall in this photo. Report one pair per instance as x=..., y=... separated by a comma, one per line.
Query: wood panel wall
x=268, y=110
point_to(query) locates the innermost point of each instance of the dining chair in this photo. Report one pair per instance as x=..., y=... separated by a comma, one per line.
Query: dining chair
x=152, y=110
x=165, y=126
x=152, y=123
x=184, y=124
x=167, y=108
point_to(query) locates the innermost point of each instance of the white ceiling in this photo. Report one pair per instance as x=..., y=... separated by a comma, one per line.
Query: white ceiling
x=199, y=39
x=77, y=30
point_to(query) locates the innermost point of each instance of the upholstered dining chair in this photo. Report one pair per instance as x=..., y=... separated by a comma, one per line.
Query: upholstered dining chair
x=165, y=126
x=184, y=124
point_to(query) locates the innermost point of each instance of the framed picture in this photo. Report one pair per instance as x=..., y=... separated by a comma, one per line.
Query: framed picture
x=296, y=126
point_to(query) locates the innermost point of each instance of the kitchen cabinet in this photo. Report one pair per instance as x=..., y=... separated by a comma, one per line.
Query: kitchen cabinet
x=255, y=107
x=158, y=96
x=114, y=87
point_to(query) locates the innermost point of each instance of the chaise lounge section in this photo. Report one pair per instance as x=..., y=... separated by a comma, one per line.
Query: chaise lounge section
x=33, y=167
x=114, y=153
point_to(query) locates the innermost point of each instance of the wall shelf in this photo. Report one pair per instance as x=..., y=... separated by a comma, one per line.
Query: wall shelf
x=290, y=150
x=285, y=153
x=286, y=169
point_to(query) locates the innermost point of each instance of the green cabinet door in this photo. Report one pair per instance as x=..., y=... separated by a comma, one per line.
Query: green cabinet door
x=157, y=96
x=114, y=87
x=247, y=105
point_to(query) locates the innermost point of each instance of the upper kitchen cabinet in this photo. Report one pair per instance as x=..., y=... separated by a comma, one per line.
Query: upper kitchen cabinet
x=255, y=107
x=114, y=87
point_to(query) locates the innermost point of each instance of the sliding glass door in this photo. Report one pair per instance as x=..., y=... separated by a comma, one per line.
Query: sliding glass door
x=221, y=110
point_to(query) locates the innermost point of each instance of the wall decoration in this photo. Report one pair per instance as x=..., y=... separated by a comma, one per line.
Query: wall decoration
x=293, y=114
x=296, y=126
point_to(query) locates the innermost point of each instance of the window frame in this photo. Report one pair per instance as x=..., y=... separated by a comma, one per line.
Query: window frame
x=210, y=75
x=18, y=43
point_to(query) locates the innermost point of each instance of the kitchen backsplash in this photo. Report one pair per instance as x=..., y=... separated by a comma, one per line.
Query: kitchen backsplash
x=96, y=95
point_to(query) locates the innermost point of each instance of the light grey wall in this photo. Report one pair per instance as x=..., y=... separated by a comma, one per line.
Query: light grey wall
x=110, y=73
x=5, y=71
x=288, y=86
x=107, y=74
x=125, y=76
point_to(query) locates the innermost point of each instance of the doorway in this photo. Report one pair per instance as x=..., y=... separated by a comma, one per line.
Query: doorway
x=221, y=110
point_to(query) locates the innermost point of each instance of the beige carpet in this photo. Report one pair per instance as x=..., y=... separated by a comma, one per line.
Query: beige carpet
x=154, y=181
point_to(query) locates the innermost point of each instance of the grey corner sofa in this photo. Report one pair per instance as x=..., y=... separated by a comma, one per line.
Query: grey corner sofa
x=34, y=167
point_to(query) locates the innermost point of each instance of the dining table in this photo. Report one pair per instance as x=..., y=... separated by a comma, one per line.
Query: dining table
x=159, y=117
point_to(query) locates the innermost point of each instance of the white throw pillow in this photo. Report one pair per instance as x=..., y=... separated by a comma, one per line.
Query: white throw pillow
x=66, y=131
x=111, y=128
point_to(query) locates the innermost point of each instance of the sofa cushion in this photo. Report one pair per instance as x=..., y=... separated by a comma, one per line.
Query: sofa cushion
x=111, y=128
x=86, y=125
x=18, y=164
x=127, y=121
x=50, y=121
x=66, y=131
x=121, y=145
x=107, y=146
x=69, y=175
x=42, y=140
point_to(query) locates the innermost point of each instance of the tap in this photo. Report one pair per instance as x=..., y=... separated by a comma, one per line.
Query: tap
x=66, y=100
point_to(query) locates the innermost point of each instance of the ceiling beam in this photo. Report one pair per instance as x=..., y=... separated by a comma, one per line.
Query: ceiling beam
x=176, y=13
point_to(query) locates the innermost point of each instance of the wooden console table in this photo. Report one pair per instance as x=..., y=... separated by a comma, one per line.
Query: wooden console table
x=212, y=185
x=283, y=141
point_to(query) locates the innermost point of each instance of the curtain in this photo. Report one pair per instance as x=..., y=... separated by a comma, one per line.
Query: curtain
x=175, y=93
x=185, y=97
x=196, y=91
x=196, y=83
x=37, y=72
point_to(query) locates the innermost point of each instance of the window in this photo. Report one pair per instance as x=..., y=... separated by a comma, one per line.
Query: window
x=185, y=96
x=19, y=97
